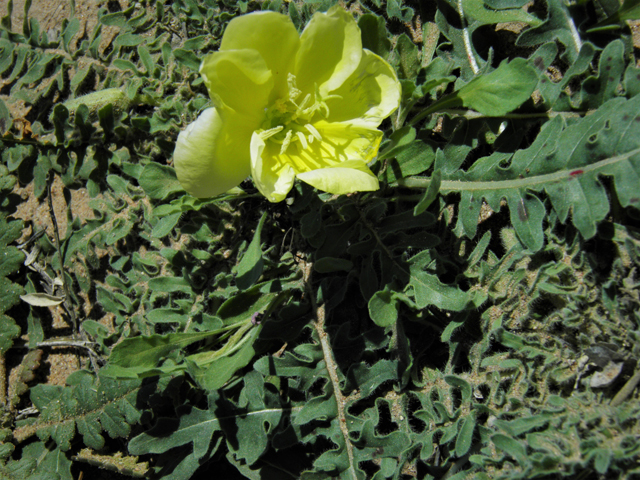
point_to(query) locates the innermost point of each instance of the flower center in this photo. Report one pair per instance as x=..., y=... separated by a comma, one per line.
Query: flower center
x=290, y=120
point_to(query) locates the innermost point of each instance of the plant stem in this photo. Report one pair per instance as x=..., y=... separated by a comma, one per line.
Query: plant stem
x=332, y=368
x=3, y=381
x=533, y=182
x=625, y=391
x=441, y=107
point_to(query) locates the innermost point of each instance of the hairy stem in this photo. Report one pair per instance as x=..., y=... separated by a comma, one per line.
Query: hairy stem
x=332, y=368
x=626, y=390
x=533, y=182
x=3, y=381
x=442, y=107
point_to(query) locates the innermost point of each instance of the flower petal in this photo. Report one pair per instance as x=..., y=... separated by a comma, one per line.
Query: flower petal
x=274, y=179
x=347, y=177
x=238, y=79
x=342, y=141
x=368, y=96
x=212, y=155
x=272, y=35
x=330, y=50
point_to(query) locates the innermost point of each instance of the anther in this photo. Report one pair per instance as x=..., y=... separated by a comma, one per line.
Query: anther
x=286, y=142
x=313, y=131
x=271, y=132
x=302, y=139
x=304, y=102
x=293, y=90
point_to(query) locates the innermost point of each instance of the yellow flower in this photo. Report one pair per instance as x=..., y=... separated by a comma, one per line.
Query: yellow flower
x=288, y=106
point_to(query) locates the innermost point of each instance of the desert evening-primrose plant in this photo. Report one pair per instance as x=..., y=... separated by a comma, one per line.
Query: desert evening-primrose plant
x=477, y=316
x=288, y=106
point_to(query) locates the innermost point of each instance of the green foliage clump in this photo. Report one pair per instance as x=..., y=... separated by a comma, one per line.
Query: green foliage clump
x=475, y=318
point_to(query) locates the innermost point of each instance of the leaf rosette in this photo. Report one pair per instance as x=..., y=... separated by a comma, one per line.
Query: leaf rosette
x=288, y=106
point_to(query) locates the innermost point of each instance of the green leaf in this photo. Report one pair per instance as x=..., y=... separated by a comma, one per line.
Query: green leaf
x=165, y=225
x=629, y=10
x=451, y=327
x=9, y=330
x=519, y=426
x=396, y=10
x=407, y=57
x=374, y=34
x=559, y=25
x=188, y=58
x=367, y=378
x=382, y=308
x=429, y=290
x=97, y=100
x=5, y=119
x=412, y=159
x=138, y=357
x=251, y=264
x=120, y=229
x=197, y=428
x=501, y=91
x=9, y=294
x=398, y=141
x=477, y=10
x=40, y=461
x=331, y=264
x=602, y=460
x=564, y=161
x=430, y=194
x=91, y=405
x=596, y=90
x=465, y=436
x=213, y=375
x=70, y=30
x=159, y=181
x=167, y=315
x=511, y=447
x=12, y=258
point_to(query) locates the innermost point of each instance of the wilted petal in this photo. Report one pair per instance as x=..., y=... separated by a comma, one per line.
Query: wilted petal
x=273, y=178
x=211, y=155
x=330, y=50
x=272, y=35
x=369, y=95
x=346, y=177
x=238, y=79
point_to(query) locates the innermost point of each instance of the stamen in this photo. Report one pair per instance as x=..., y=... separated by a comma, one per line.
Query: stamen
x=293, y=89
x=271, y=132
x=310, y=139
x=302, y=139
x=304, y=102
x=312, y=130
x=286, y=142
